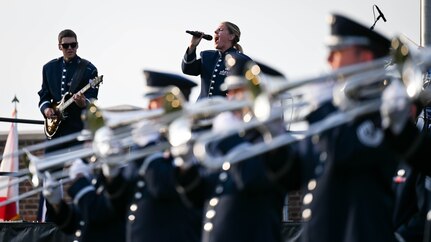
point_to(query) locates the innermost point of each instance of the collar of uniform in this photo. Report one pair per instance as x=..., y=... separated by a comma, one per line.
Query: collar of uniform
x=231, y=49
x=74, y=60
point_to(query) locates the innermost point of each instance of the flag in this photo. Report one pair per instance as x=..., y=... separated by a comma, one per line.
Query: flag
x=9, y=164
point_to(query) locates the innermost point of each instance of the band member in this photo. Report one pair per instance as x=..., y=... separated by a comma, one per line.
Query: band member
x=210, y=66
x=346, y=171
x=61, y=76
x=145, y=189
x=411, y=204
x=407, y=140
x=412, y=181
x=90, y=216
x=240, y=202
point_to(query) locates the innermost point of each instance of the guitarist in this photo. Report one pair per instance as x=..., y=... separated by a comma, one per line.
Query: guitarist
x=63, y=78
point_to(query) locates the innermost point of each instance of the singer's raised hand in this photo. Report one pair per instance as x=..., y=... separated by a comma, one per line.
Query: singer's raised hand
x=194, y=42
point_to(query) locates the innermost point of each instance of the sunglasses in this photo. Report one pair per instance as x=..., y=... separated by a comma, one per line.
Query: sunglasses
x=67, y=45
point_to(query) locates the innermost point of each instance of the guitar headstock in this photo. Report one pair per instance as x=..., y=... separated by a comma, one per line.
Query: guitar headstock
x=94, y=83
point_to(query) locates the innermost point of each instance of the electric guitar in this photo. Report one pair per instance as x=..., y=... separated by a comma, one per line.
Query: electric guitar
x=51, y=124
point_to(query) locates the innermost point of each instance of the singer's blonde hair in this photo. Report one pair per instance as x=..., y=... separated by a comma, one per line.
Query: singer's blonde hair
x=234, y=29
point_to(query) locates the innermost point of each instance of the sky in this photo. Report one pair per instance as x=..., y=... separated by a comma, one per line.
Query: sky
x=122, y=38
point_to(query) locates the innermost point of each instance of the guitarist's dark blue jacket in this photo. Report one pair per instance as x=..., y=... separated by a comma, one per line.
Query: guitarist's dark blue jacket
x=57, y=81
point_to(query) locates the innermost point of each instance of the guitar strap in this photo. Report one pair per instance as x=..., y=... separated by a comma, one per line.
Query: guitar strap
x=77, y=76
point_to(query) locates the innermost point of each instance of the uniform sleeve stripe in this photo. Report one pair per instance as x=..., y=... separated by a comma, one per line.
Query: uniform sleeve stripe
x=81, y=193
x=148, y=161
x=188, y=62
x=40, y=106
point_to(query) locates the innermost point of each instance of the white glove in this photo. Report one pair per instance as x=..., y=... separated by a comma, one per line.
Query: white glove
x=226, y=121
x=183, y=155
x=340, y=98
x=52, y=190
x=395, y=108
x=106, y=145
x=79, y=167
x=143, y=135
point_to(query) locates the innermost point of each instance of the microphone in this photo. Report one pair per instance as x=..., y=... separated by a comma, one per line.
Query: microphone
x=380, y=13
x=199, y=34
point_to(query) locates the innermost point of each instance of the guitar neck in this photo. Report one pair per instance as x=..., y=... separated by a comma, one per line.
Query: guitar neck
x=70, y=100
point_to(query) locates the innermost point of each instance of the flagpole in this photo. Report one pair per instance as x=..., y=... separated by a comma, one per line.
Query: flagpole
x=15, y=101
x=19, y=120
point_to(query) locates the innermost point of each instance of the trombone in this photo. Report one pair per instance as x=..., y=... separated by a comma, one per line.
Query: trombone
x=111, y=142
x=210, y=161
x=199, y=115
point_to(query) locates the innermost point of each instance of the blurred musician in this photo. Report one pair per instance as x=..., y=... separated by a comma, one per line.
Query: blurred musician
x=145, y=190
x=346, y=171
x=90, y=216
x=412, y=203
x=412, y=181
x=241, y=204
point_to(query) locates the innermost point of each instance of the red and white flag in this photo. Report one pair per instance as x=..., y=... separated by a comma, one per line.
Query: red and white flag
x=9, y=164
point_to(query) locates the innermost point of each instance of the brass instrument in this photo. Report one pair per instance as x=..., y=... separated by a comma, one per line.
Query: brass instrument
x=355, y=82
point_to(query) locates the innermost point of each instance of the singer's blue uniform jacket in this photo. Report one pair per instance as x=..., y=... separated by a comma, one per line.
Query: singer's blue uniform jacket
x=211, y=68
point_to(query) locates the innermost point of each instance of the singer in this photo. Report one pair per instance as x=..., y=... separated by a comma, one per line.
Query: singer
x=210, y=66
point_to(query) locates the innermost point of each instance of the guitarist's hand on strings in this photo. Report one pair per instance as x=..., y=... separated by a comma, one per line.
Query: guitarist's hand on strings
x=50, y=113
x=79, y=99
